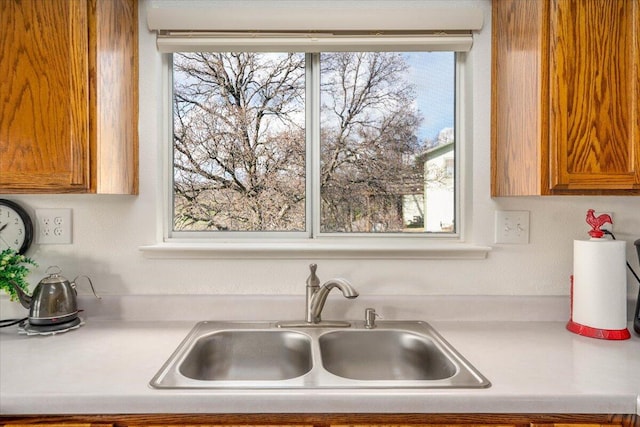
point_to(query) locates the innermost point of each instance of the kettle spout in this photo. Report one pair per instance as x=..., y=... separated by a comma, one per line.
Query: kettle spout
x=25, y=299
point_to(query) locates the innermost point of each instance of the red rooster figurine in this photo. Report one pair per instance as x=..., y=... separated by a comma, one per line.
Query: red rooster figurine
x=596, y=222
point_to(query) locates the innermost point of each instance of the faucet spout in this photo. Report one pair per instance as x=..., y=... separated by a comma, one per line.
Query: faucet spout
x=320, y=296
x=316, y=297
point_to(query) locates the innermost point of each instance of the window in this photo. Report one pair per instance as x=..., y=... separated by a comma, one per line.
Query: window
x=239, y=161
x=315, y=122
x=316, y=144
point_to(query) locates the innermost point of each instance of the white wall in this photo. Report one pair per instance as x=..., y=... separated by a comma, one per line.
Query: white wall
x=109, y=229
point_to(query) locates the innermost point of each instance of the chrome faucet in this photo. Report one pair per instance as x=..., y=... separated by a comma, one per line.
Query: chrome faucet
x=317, y=295
x=316, y=298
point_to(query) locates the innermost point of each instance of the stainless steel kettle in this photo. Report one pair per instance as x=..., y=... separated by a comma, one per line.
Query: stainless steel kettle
x=54, y=299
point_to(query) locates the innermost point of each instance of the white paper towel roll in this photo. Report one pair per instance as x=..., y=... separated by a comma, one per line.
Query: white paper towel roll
x=600, y=283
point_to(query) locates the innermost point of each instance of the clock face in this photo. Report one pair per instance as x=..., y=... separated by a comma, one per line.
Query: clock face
x=16, y=227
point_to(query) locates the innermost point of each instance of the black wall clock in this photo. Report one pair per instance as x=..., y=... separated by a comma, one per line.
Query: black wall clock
x=16, y=227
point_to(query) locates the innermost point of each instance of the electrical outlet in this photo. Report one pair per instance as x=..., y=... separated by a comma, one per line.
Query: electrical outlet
x=53, y=226
x=512, y=227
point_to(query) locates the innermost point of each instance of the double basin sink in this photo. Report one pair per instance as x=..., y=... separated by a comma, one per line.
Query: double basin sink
x=261, y=355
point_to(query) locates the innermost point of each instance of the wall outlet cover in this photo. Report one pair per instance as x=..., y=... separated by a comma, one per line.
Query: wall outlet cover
x=54, y=226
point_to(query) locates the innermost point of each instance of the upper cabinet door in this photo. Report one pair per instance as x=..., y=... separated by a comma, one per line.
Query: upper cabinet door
x=69, y=96
x=44, y=96
x=595, y=91
x=565, y=97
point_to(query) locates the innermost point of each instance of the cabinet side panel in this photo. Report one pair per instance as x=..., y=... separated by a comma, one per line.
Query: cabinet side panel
x=594, y=87
x=44, y=96
x=518, y=119
x=114, y=110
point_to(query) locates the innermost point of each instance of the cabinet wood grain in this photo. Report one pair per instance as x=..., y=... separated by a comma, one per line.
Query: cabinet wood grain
x=62, y=425
x=44, y=88
x=573, y=425
x=594, y=86
x=428, y=425
x=69, y=97
x=331, y=420
x=114, y=106
x=565, y=97
x=519, y=118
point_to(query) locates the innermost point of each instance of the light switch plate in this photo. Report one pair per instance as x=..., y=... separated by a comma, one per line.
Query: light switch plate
x=512, y=227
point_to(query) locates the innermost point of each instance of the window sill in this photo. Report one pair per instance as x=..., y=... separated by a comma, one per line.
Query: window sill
x=323, y=250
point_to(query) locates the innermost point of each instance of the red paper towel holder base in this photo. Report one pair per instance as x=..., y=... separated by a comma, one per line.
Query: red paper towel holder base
x=603, y=334
x=590, y=331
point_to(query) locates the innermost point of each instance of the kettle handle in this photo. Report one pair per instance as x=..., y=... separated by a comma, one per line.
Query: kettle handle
x=90, y=284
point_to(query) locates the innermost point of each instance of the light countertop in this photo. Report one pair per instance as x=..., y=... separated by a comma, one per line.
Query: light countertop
x=534, y=365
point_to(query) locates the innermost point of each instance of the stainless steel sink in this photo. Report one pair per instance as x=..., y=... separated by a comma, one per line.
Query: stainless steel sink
x=240, y=355
x=237, y=355
x=384, y=355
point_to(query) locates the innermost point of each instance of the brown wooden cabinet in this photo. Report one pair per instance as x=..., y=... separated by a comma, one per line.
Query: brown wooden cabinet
x=60, y=424
x=325, y=420
x=68, y=96
x=574, y=425
x=565, y=97
x=449, y=424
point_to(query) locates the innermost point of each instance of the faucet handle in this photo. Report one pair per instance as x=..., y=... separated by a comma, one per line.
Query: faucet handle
x=313, y=280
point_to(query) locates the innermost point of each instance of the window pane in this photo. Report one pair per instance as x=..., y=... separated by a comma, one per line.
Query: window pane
x=239, y=141
x=387, y=128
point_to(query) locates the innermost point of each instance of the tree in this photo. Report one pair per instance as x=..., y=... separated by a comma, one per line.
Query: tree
x=239, y=141
x=369, y=123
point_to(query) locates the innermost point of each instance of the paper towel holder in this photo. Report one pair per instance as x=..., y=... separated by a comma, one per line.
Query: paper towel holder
x=608, y=322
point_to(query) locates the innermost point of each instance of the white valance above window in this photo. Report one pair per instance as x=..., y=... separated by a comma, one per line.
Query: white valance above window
x=312, y=26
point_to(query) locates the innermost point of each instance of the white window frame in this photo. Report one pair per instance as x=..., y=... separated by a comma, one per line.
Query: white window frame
x=325, y=245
